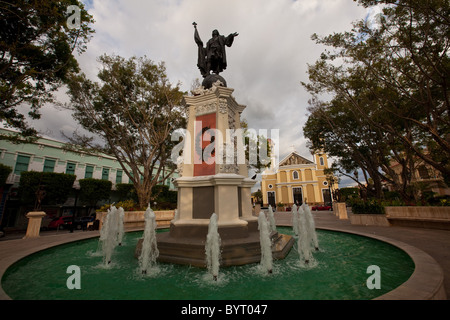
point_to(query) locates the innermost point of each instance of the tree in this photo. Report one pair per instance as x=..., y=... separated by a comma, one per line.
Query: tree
x=392, y=81
x=334, y=129
x=36, y=54
x=94, y=190
x=257, y=149
x=258, y=196
x=133, y=110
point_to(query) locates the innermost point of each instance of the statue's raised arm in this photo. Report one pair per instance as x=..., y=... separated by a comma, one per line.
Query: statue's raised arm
x=201, y=61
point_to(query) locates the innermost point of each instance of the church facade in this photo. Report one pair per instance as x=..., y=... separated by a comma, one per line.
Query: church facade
x=297, y=180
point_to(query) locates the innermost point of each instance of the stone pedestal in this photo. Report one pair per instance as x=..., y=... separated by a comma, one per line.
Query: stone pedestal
x=214, y=179
x=214, y=182
x=340, y=210
x=34, y=223
x=227, y=195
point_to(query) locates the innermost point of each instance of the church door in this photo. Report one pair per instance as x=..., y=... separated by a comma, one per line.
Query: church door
x=271, y=199
x=298, y=198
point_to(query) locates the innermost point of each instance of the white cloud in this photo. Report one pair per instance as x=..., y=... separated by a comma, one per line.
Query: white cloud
x=266, y=63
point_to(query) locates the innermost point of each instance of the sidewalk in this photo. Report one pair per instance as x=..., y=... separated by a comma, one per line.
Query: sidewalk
x=19, y=234
x=434, y=242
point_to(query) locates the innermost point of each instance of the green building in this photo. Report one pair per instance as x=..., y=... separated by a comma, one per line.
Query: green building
x=49, y=155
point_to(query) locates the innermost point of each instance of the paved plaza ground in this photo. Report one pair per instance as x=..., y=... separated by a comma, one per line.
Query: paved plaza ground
x=434, y=242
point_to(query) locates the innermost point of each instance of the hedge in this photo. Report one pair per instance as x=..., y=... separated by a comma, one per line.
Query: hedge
x=367, y=207
x=56, y=185
x=4, y=173
x=94, y=190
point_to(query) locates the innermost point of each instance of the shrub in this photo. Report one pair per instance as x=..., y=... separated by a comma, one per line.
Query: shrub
x=161, y=193
x=164, y=206
x=57, y=186
x=94, y=190
x=127, y=205
x=4, y=173
x=130, y=205
x=367, y=207
x=126, y=191
x=347, y=194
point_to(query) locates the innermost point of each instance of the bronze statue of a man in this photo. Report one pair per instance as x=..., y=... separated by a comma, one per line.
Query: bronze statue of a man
x=40, y=195
x=213, y=58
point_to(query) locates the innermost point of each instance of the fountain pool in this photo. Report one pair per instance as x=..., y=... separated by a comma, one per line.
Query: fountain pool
x=339, y=272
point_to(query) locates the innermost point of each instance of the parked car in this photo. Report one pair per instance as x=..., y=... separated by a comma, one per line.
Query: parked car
x=46, y=220
x=82, y=222
x=60, y=223
x=67, y=221
x=322, y=207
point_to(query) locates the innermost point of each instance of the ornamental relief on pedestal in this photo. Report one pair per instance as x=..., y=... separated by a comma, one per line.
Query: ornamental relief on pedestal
x=205, y=109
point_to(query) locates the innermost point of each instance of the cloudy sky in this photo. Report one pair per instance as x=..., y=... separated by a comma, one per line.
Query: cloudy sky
x=266, y=63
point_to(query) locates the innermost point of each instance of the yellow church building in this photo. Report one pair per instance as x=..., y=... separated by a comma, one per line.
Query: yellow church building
x=297, y=180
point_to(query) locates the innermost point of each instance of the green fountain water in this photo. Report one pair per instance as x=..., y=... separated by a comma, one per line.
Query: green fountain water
x=338, y=271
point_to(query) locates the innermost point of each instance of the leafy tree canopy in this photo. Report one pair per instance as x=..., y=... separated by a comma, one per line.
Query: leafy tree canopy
x=133, y=110
x=37, y=46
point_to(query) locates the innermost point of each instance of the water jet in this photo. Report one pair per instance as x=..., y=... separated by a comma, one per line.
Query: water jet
x=212, y=248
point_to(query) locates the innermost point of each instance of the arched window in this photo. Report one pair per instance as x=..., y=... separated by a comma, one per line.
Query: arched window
x=322, y=163
x=295, y=175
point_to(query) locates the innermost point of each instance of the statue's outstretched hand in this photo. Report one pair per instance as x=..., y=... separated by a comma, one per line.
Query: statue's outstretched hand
x=235, y=34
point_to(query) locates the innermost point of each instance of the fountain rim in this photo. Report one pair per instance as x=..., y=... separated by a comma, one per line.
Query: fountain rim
x=425, y=283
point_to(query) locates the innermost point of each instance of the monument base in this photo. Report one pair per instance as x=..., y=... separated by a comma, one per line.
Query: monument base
x=234, y=251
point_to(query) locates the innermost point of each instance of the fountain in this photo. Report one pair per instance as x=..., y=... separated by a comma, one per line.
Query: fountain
x=265, y=241
x=304, y=247
x=295, y=219
x=338, y=274
x=110, y=234
x=311, y=226
x=304, y=227
x=212, y=247
x=149, y=249
x=206, y=187
x=121, y=227
x=272, y=224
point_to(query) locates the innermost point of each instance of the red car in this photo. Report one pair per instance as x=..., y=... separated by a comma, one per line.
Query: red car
x=322, y=207
x=60, y=223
